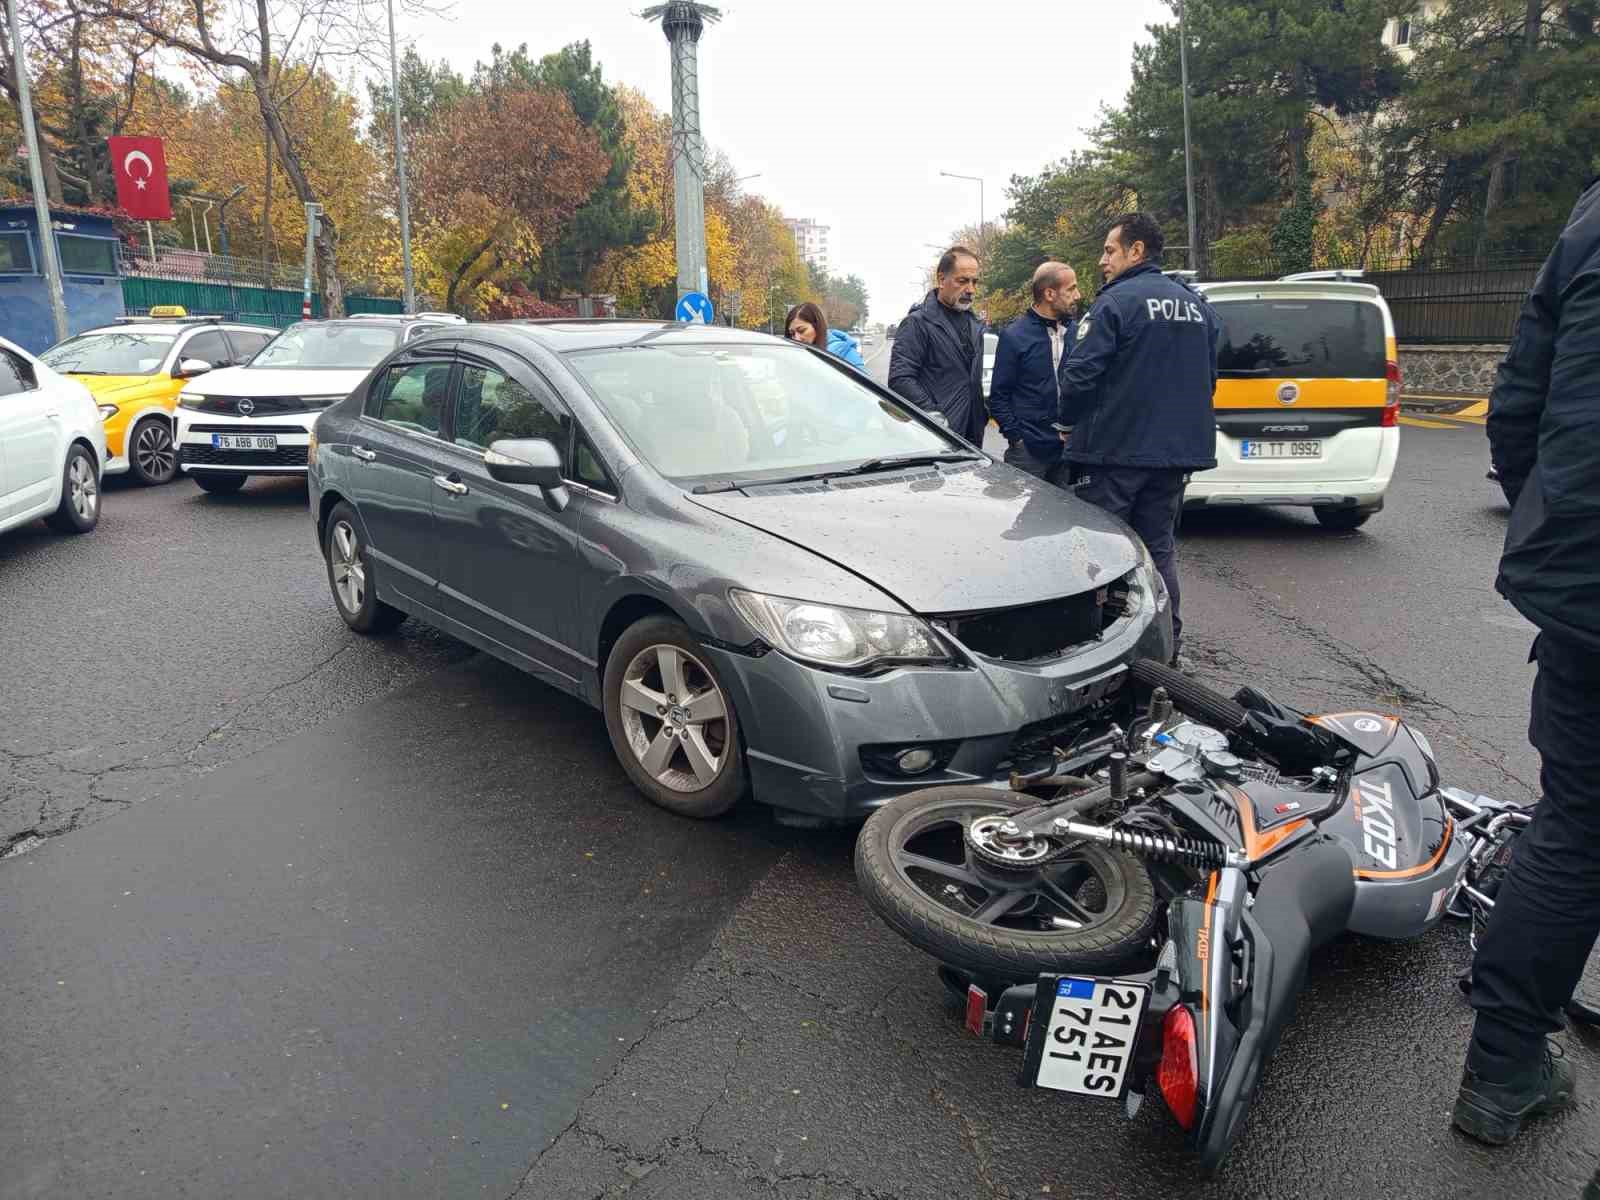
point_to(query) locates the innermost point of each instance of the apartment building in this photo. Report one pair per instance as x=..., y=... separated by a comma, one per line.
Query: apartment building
x=811, y=239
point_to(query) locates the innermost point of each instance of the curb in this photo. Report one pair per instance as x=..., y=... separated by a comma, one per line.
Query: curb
x=1474, y=406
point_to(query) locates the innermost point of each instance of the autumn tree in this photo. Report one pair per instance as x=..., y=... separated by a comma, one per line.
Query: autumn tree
x=501, y=173
x=253, y=42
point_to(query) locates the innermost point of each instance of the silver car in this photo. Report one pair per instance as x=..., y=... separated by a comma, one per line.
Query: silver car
x=770, y=574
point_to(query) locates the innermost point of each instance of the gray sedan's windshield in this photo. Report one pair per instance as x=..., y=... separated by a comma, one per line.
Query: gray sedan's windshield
x=330, y=347
x=751, y=412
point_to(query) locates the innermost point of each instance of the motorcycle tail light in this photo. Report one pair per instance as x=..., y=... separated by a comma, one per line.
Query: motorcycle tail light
x=1178, y=1075
x=1391, y=396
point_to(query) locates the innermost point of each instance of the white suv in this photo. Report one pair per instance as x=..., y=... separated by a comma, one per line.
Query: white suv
x=257, y=419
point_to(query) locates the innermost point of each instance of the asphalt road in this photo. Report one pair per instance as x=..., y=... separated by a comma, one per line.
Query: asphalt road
x=290, y=912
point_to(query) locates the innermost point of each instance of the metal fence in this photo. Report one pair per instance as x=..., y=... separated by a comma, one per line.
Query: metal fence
x=1444, y=300
x=238, y=289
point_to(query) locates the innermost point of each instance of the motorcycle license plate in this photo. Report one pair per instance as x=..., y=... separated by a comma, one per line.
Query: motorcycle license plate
x=1300, y=449
x=1090, y=1036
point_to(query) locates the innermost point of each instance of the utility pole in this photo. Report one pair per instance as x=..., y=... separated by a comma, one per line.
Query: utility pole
x=683, y=21
x=313, y=211
x=400, y=170
x=1188, y=159
x=41, y=202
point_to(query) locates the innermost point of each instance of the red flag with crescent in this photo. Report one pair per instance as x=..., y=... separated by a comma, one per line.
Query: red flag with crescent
x=139, y=166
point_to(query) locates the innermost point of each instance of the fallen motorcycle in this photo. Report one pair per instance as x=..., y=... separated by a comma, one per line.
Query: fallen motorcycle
x=1144, y=905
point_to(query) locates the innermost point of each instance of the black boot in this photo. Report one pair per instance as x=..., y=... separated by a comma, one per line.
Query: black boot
x=1492, y=1109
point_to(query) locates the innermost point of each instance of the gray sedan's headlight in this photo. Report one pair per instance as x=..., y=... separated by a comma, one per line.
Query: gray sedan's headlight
x=838, y=637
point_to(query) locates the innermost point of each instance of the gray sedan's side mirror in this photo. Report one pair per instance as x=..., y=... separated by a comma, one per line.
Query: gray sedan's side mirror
x=534, y=462
x=190, y=367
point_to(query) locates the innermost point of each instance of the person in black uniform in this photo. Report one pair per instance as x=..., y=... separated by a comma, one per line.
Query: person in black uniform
x=1544, y=439
x=1136, y=393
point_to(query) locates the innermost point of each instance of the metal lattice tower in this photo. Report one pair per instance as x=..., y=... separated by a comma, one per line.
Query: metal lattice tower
x=683, y=21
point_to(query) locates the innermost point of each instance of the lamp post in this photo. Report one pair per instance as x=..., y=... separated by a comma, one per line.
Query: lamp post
x=979, y=181
x=1188, y=160
x=683, y=21
x=41, y=202
x=400, y=170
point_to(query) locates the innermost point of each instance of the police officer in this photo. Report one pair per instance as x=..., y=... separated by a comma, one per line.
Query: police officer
x=1136, y=391
x=1544, y=437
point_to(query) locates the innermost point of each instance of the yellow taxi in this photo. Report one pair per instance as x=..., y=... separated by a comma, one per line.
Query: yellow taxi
x=135, y=370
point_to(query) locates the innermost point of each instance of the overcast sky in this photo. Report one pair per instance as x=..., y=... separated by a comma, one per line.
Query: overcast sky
x=849, y=109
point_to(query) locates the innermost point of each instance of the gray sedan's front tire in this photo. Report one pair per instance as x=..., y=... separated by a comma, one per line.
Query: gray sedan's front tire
x=671, y=720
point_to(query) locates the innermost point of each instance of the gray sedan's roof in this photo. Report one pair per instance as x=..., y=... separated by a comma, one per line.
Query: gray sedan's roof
x=566, y=336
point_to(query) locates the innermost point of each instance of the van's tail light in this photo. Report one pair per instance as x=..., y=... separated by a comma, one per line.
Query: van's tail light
x=1178, y=1075
x=1391, y=396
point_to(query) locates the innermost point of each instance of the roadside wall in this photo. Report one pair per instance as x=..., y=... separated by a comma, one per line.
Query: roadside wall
x=1467, y=370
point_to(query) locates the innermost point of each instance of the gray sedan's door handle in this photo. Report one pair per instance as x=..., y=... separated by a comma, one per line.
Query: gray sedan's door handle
x=453, y=486
x=363, y=453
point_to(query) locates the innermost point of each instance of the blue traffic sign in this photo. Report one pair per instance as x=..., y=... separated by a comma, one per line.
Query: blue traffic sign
x=695, y=308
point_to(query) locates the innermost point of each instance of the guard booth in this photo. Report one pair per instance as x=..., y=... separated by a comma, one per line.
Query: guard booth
x=91, y=268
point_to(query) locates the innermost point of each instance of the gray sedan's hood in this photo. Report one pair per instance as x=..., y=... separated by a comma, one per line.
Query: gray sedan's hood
x=945, y=541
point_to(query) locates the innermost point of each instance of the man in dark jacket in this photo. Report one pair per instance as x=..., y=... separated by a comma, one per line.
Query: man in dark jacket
x=1025, y=391
x=1544, y=436
x=1136, y=391
x=937, y=360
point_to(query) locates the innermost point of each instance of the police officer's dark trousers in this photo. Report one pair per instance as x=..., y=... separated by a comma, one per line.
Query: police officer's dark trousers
x=1547, y=911
x=1149, y=501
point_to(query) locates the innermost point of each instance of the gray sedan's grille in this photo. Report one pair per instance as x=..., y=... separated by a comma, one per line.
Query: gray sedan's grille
x=1039, y=632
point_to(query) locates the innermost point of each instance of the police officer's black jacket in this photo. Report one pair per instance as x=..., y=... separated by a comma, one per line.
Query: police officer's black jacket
x=927, y=366
x=1136, y=385
x=1544, y=438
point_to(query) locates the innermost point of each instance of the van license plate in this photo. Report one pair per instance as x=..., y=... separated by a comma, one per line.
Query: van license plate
x=1259, y=449
x=1092, y=1031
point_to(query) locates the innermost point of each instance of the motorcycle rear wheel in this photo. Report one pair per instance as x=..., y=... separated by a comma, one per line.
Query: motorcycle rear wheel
x=917, y=873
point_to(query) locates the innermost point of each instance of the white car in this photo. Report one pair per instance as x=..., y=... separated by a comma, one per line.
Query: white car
x=52, y=446
x=1308, y=398
x=257, y=419
x=991, y=343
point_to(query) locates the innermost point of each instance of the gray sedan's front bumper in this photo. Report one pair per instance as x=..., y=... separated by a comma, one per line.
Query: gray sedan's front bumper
x=804, y=727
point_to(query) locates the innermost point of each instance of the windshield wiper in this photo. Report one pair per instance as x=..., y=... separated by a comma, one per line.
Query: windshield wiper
x=863, y=468
x=80, y=371
x=905, y=460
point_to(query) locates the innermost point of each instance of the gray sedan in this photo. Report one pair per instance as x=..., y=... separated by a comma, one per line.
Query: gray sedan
x=770, y=574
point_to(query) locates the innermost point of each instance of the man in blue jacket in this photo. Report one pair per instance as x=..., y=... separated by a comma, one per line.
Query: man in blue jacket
x=1136, y=391
x=1544, y=436
x=1025, y=392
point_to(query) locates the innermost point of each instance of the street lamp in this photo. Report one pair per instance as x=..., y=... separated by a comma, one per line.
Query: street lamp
x=408, y=279
x=979, y=181
x=1188, y=161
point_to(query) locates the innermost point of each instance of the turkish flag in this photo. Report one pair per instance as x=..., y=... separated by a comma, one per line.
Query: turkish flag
x=139, y=166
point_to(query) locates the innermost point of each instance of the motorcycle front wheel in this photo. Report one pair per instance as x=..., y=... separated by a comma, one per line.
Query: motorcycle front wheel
x=1085, y=909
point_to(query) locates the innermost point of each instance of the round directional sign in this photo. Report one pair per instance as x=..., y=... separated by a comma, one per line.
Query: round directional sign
x=695, y=308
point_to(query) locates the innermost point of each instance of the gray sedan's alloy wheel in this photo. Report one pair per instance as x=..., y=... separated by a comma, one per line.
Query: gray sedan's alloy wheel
x=676, y=717
x=671, y=720
x=348, y=572
x=350, y=575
